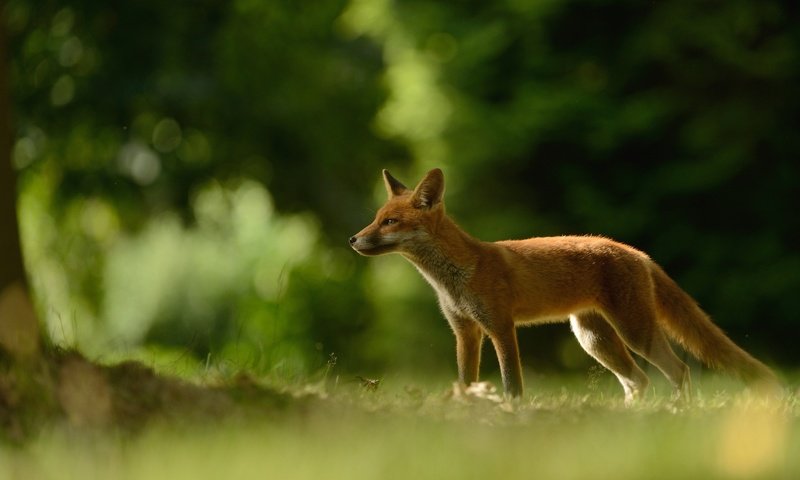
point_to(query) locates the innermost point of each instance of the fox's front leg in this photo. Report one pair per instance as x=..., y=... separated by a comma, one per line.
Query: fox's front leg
x=504, y=339
x=468, y=347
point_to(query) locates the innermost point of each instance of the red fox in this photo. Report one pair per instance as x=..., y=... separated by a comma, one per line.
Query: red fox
x=615, y=297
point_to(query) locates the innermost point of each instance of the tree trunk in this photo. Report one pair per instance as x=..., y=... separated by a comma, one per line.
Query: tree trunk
x=19, y=327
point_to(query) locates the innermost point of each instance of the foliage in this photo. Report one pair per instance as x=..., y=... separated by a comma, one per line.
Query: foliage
x=124, y=215
x=190, y=171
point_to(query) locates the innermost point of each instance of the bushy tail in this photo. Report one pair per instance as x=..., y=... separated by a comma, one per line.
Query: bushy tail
x=687, y=324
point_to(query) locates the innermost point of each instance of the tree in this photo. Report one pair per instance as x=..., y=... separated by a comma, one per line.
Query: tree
x=19, y=327
x=39, y=384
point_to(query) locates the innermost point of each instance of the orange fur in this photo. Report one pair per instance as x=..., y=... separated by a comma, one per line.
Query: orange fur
x=615, y=297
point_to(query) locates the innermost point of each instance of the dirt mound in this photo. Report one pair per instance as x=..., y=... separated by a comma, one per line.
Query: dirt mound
x=63, y=386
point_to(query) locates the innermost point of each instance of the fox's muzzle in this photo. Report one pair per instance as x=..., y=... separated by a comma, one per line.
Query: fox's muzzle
x=368, y=246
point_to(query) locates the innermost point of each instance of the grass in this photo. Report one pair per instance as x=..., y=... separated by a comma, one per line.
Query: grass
x=347, y=430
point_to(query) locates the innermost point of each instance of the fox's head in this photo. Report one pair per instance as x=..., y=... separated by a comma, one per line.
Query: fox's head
x=407, y=219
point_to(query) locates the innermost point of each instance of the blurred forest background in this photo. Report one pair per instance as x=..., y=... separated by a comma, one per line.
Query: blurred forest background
x=189, y=172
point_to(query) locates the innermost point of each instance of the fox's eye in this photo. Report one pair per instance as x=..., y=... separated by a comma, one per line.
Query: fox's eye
x=389, y=221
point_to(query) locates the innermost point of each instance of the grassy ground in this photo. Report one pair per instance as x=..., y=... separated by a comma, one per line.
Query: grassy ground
x=350, y=429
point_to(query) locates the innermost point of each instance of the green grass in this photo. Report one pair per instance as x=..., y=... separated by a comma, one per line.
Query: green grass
x=410, y=432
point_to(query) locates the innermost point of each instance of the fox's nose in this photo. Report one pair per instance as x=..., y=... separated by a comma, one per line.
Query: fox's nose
x=353, y=240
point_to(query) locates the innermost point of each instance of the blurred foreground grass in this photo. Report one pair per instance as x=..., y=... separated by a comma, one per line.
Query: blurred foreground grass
x=345, y=429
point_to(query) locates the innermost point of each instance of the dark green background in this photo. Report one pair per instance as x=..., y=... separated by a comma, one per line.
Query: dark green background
x=671, y=126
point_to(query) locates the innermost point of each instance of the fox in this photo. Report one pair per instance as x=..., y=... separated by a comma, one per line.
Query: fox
x=615, y=298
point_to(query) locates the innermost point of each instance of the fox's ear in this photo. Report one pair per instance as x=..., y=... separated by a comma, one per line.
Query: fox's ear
x=393, y=185
x=430, y=190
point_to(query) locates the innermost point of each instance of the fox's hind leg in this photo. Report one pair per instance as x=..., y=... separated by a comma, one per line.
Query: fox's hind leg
x=599, y=339
x=642, y=334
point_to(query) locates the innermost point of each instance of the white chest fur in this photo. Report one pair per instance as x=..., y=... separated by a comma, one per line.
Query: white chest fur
x=450, y=283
